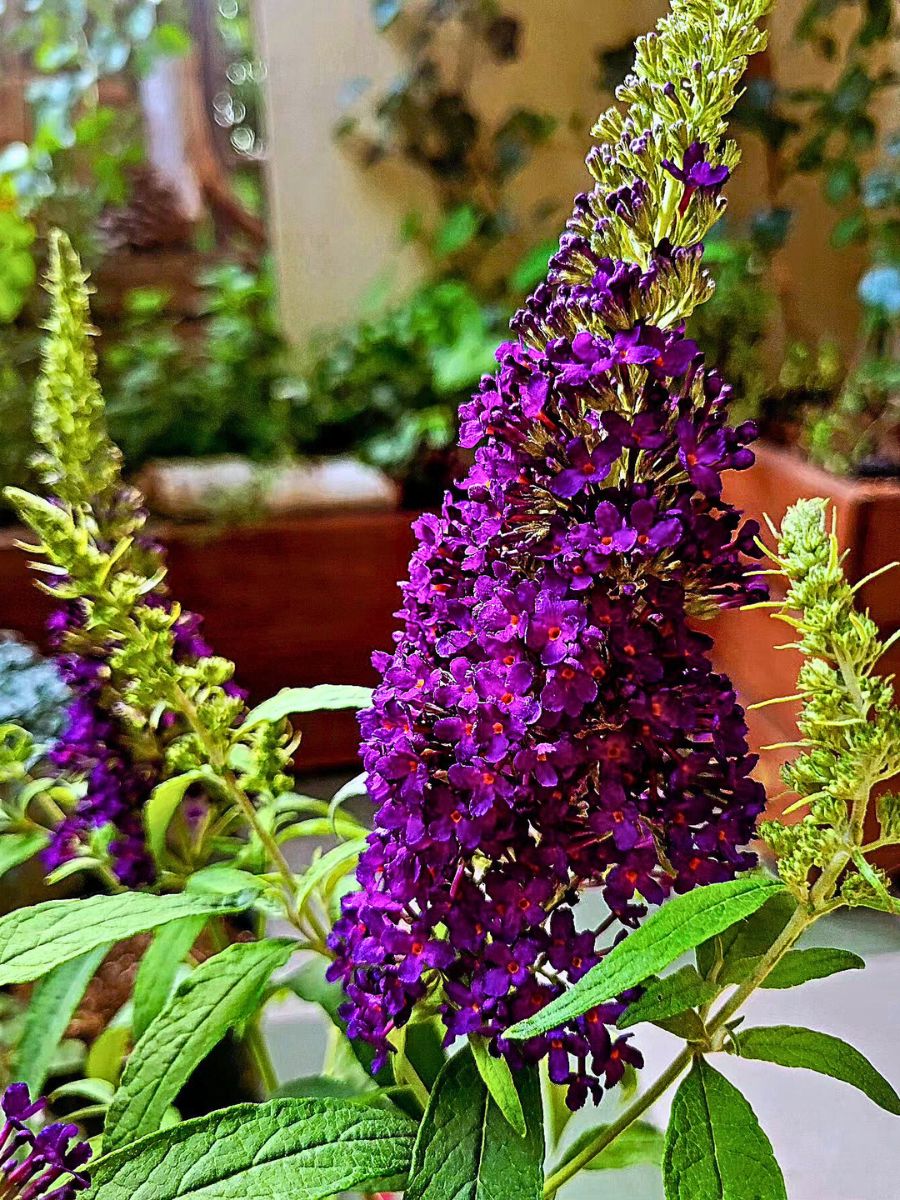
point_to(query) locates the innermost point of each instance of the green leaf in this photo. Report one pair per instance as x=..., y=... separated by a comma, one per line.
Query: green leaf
x=457, y=230
x=849, y=229
x=221, y=992
x=558, y=1112
x=156, y=975
x=749, y=937
x=307, y=699
x=162, y=806
x=17, y=848
x=680, y=925
x=841, y=180
x=668, y=997
x=221, y=880
x=49, y=1012
x=297, y=1149
x=423, y=1048
x=34, y=940
x=797, y=966
x=107, y=1054
x=171, y=40
x=640, y=1143
x=498, y=1079
x=715, y=1148
x=464, y=1149
x=790, y=1046
x=321, y=1087
x=98, y=1091
x=330, y=867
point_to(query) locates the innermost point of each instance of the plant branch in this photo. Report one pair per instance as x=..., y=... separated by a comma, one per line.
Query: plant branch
x=608, y=1135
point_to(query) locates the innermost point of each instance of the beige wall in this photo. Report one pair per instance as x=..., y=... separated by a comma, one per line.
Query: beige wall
x=335, y=225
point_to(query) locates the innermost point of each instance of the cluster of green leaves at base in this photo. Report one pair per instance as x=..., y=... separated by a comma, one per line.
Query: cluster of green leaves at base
x=482, y=1129
x=390, y=386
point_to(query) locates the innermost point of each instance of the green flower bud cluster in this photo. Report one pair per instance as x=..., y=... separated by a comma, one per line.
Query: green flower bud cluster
x=849, y=724
x=177, y=708
x=685, y=82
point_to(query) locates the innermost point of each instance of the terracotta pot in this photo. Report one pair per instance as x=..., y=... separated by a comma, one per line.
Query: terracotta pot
x=293, y=601
x=868, y=525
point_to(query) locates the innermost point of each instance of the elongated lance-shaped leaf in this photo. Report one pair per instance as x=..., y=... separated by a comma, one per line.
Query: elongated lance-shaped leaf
x=17, y=848
x=465, y=1149
x=796, y=967
x=791, y=1046
x=680, y=925
x=296, y=1149
x=309, y=699
x=34, y=940
x=498, y=1080
x=161, y=962
x=49, y=1012
x=715, y=1148
x=668, y=997
x=221, y=992
x=748, y=938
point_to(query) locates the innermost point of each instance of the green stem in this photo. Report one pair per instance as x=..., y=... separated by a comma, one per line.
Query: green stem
x=801, y=920
x=242, y=801
x=609, y=1134
x=262, y=1059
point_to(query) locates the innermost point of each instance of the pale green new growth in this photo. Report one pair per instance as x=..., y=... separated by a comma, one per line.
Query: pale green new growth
x=849, y=723
x=686, y=80
x=78, y=462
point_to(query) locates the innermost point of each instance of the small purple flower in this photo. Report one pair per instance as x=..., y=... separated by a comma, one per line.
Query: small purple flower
x=702, y=454
x=553, y=628
x=651, y=533
x=588, y=467
x=697, y=173
x=613, y=535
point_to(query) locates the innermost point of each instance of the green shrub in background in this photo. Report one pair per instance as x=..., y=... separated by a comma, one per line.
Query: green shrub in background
x=220, y=391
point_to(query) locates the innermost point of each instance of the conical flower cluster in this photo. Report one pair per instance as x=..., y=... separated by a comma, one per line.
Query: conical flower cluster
x=550, y=720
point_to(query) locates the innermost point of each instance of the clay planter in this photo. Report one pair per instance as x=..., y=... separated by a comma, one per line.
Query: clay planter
x=868, y=525
x=293, y=601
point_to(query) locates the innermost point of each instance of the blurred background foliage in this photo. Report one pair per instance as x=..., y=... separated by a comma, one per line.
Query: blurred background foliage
x=193, y=360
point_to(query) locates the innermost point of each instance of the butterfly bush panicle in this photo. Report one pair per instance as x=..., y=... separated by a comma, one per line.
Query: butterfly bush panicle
x=550, y=720
x=127, y=651
x=47, y=1163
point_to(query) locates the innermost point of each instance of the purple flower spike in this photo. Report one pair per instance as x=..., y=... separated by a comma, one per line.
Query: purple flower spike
x=549, y=720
